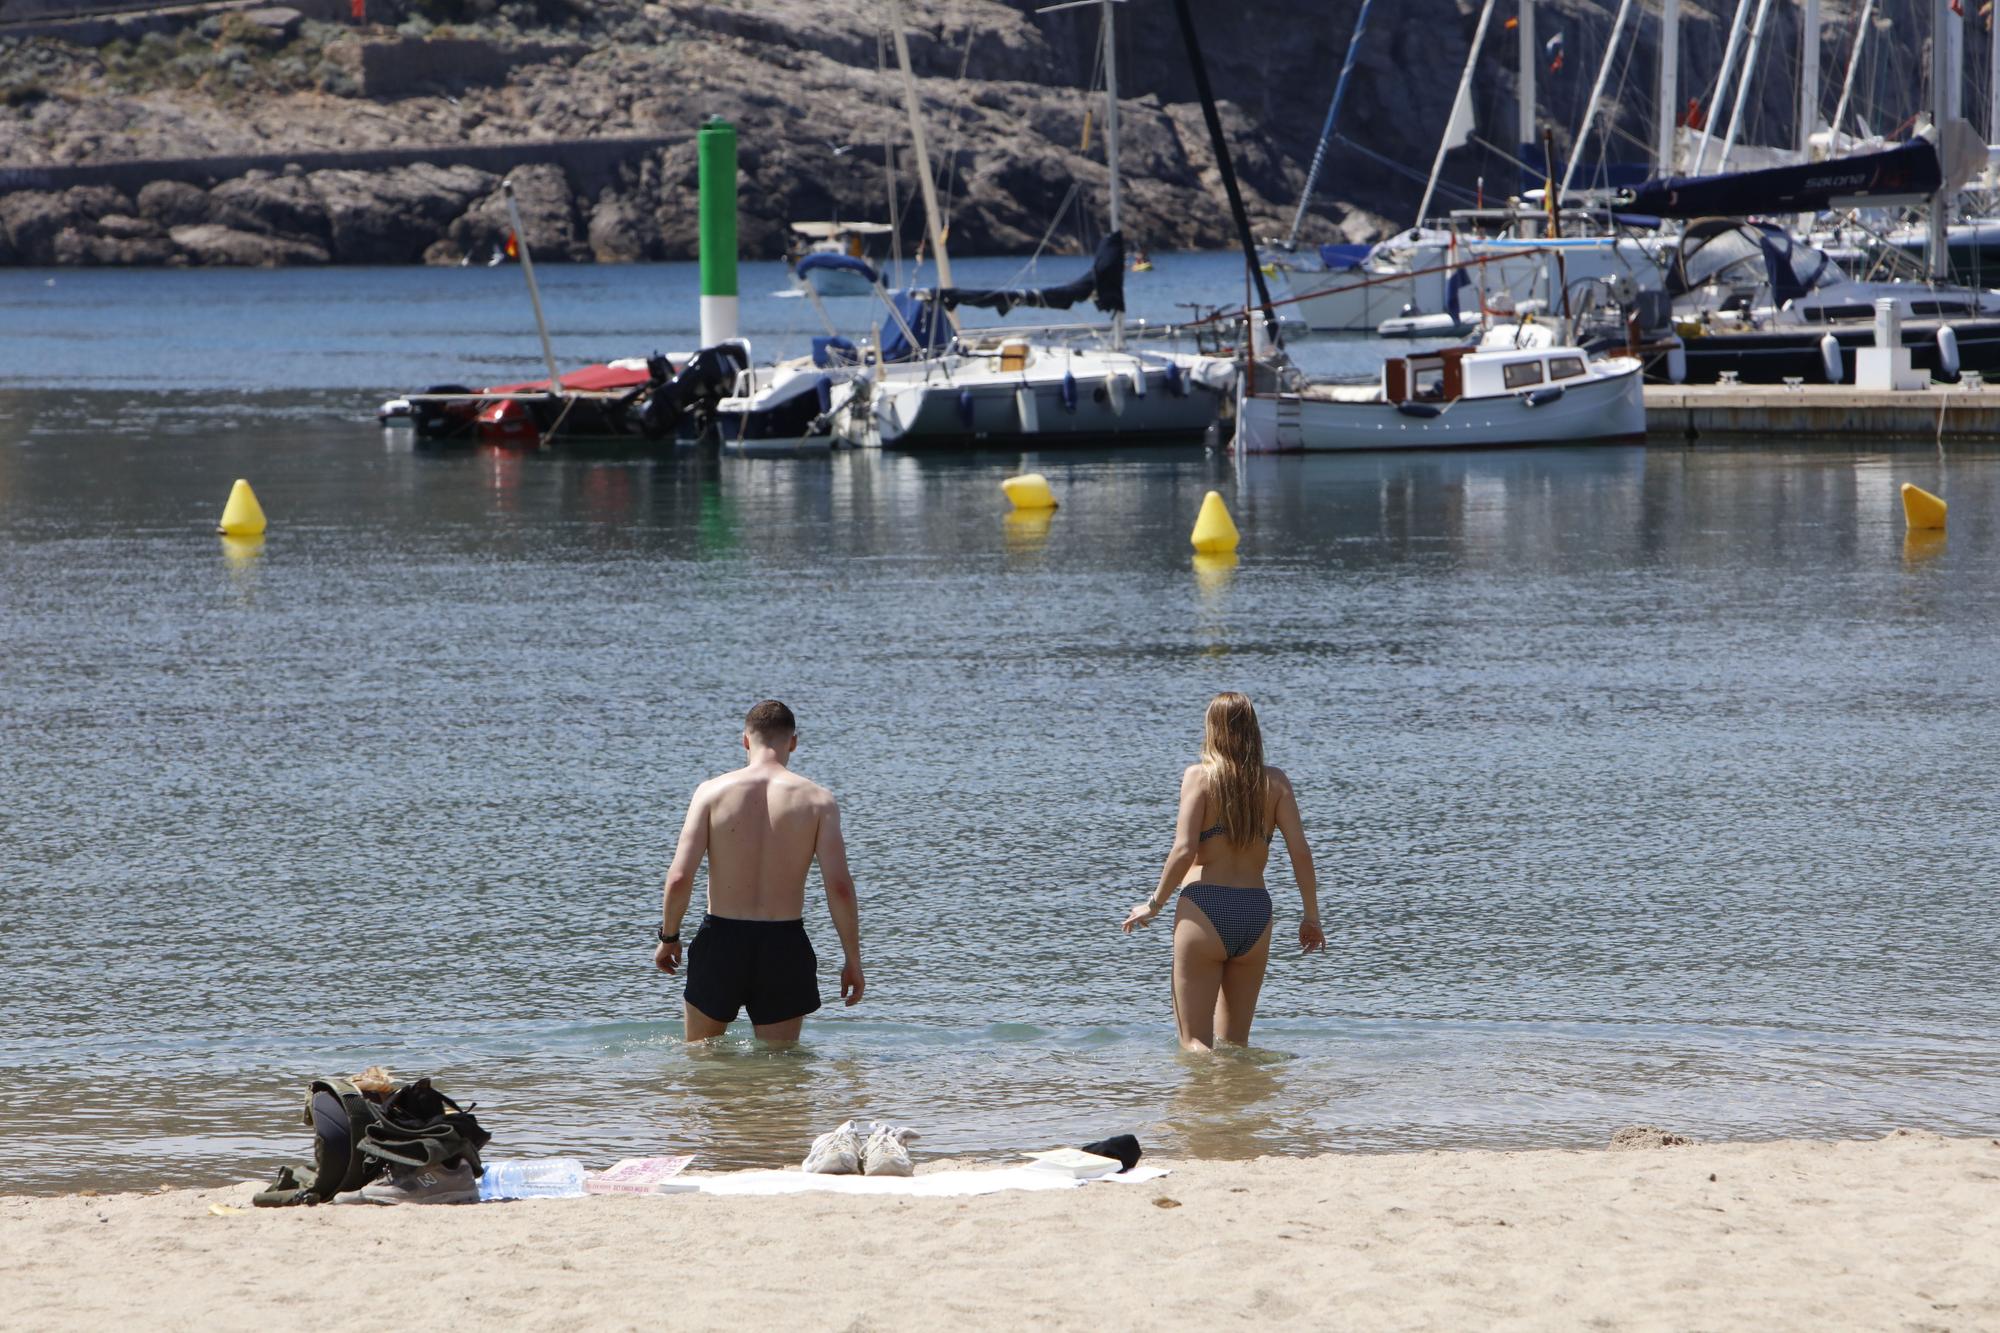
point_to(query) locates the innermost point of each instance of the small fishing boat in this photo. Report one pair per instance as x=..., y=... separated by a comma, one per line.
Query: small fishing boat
x=836, y=263
x=1507, y=390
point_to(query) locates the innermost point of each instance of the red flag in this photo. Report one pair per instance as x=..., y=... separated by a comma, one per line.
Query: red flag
x=360, y=11
x=513, y=250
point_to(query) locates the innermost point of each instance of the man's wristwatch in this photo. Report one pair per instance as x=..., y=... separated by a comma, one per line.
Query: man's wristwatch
x=665, y=938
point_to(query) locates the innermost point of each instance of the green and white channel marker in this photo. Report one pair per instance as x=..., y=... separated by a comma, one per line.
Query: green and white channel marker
x=717, y=154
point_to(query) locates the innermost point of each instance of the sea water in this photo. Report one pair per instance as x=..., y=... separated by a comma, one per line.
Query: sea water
x=1642, y=784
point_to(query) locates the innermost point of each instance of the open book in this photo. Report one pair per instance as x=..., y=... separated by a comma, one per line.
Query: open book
x=642, y=1175
x=1074, y=1162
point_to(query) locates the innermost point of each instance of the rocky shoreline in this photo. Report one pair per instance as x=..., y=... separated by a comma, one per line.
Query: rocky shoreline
x=386, y=143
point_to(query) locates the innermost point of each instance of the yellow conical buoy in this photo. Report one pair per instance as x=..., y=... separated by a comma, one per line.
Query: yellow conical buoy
x=1030, y=491
x=242, y=516
x=1214, y=531
x=1921, y=509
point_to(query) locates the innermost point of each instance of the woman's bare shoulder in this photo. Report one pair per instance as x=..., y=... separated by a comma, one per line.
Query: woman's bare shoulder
x=1277, y=777
x=1193, y=775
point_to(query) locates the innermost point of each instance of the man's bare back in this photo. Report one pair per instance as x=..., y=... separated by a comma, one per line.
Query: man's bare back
x=760, y=827
x=764, y=824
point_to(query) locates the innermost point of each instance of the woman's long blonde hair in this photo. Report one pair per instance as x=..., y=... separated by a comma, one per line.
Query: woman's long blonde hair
x=1232, y=753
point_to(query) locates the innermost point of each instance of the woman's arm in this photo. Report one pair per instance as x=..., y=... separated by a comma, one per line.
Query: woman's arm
x=1180, y=857
x=1311, y=937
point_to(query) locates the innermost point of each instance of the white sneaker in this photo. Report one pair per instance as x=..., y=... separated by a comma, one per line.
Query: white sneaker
x=835, y=1153
x=885, y=1154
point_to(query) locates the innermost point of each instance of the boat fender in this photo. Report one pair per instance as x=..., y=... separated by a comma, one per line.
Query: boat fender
x=825, y=388
x=1114, y=392
x=1947, y=345
x=1026, y=409
x=1677, y=363
x=1138, y=381
x=1425, y=410
x=1069, y=393
x=1543, y=397
x=965, y=407
x=1829, y=359
x=1176, y=382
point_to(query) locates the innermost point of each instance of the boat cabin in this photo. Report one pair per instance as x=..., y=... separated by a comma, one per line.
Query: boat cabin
x=1452, y=373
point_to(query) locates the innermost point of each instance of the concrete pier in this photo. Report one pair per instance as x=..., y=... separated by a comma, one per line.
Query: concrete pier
x=1956, y=412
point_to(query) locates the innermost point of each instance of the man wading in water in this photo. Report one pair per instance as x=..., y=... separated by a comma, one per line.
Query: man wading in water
x=761, y=828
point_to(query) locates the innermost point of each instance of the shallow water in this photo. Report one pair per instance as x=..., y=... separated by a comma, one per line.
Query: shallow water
x=1645, y=785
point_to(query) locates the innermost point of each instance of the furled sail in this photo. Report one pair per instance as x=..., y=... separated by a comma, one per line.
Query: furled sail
x=1104, y=286
x=1907, y=173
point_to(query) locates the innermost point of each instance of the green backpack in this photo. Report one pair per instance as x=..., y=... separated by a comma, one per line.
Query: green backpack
x=356, y=1139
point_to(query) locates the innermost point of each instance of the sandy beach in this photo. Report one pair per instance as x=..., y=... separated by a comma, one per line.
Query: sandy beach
x=1899, y=1232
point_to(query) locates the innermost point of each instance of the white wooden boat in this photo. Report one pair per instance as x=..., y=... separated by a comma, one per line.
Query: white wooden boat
x=1455, y=398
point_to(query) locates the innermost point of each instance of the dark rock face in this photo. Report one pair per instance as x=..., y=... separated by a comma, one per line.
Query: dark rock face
x=1017, y=137
x=173, y=203
x=391, y=217
x=210, y=243
x=274, y=206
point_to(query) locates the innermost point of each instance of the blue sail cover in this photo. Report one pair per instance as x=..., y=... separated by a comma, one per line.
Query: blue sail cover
x=924, y=320
x=840, y=263
x=1906, y=172
x=1339, y=256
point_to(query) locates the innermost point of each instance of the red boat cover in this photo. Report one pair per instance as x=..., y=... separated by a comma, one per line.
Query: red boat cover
x=588, y=379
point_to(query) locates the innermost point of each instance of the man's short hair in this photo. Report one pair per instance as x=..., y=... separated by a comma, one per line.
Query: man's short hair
x=772, y=721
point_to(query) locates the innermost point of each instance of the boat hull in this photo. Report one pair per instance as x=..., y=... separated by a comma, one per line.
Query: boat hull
x=945, y=415
x=1608, y=408
x=1773, y=356
x=833, y=282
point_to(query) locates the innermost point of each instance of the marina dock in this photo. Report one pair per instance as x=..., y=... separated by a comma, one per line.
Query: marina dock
x=1824, y=411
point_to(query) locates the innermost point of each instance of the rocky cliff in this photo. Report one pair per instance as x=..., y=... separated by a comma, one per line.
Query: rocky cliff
x=269, y=135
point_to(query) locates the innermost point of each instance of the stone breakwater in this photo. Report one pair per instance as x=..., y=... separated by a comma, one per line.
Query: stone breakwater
x=273, y=136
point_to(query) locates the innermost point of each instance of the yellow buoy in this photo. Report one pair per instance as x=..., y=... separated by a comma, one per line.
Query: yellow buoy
x=1921, y=509
x=1214, y=531
x=242, y=516
x=1030, y=491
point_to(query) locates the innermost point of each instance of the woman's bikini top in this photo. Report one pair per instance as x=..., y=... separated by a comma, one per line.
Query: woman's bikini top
x=1208, y=833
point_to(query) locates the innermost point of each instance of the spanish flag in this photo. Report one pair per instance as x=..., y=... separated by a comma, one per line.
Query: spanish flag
x=513, y=247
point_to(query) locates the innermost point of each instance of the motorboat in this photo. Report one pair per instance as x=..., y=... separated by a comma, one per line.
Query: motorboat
x=818, y=268
x=1515, y=387
x=658, y=398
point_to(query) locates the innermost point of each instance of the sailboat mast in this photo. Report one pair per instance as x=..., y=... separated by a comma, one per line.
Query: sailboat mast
x=1721, y=84
x=1445, y=144
x=932, y=221
x=1111, y=142
x=1940, y=253
x=1808, y=75
x=1332, y=115
x=1854, y=63
x=1596, y=96
x=1529, y=57
x=1993, y=81
x=1743, y=84
x=1670, y=87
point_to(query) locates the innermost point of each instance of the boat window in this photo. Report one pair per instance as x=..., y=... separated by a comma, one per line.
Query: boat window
x=1428, y=382
x=1565, y=367
x=1519, y=374
x=1827, y=313
x=1937, y=307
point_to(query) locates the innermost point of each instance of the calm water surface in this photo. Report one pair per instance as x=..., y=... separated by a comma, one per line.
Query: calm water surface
x=1645, y=785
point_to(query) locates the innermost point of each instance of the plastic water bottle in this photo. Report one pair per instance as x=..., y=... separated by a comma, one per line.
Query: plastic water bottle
x=536, y=1178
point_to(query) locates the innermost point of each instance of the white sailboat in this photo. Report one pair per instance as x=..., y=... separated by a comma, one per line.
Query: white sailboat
x=1062, y=385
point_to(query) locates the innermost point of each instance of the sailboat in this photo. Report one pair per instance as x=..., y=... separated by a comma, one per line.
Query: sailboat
x=1075, y=384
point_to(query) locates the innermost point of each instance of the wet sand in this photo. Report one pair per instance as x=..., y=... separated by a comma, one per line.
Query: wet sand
x=1898, y=1232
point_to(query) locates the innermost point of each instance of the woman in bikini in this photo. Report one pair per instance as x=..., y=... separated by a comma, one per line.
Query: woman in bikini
x=1232, y=805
